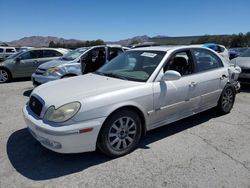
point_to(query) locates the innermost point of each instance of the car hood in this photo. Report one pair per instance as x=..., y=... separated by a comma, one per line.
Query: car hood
x=53, y=63
x=78, y=88
x=242, y=61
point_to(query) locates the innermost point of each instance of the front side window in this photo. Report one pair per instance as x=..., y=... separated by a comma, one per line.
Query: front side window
x=206, y=60
x=133, y=65
x=32, y=54
x=180, y=62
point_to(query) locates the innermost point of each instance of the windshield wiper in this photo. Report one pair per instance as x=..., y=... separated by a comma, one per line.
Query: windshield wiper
x=111, y=75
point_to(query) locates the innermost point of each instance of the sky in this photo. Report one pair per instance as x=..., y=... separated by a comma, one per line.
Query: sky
x=113, y=20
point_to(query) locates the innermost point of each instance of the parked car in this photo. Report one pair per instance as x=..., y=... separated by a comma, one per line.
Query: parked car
x=24, y=63
x=235, y=52
x=222, y=50
x=140, y=90
x=6, y=52
x=70, y=64
x=243, y=61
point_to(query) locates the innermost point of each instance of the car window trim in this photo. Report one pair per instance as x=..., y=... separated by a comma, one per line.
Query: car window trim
x=213, y=54
x=171, y=55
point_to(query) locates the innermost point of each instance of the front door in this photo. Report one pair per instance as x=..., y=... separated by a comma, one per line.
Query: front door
x=27, y=63
x=174, y=100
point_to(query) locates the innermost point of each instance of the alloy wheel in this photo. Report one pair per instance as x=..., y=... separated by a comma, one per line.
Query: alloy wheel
x=122, y=133
x=227, y=99
x=4, y=76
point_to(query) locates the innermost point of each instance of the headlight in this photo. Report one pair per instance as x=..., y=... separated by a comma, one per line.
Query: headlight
x=50, y=71
x=63, y=113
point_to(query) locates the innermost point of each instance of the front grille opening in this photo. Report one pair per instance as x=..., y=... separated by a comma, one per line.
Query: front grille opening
x=35, y=105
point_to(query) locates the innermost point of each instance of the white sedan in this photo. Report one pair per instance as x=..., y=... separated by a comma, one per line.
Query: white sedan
x=137, y=91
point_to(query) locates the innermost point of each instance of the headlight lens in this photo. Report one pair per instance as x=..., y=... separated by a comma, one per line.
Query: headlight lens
x=63, y=113
x=50, y=71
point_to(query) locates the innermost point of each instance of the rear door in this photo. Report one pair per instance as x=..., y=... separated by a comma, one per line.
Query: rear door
x=212, y=77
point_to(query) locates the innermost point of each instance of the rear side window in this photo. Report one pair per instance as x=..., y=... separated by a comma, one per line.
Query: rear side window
x=205, y=60
x=113, y=52
x=10, y=50
x=51, y=53
x=1, y=50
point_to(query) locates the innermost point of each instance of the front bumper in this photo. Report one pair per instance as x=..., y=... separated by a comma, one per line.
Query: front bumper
x=64, y=139
x=40, y=79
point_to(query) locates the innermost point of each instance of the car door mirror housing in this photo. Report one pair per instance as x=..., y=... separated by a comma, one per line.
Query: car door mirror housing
x=171, y=75
x=18, y=59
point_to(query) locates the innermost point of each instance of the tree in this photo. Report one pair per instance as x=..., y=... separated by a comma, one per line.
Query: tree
x=52, y=44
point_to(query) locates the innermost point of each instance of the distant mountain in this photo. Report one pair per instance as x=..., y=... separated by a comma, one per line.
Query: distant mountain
x=137, y=39
x=40, y=41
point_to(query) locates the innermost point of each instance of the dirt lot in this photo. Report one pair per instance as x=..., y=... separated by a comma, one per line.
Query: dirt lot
x=205, y=150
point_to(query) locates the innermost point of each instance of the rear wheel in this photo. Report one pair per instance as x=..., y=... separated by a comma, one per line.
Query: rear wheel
x=226, y=100
x=120, y=133
x=5, y=76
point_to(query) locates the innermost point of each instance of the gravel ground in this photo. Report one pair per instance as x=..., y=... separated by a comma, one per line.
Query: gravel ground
x=205, y=150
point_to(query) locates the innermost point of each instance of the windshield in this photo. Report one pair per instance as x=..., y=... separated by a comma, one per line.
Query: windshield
x=246, y=53
x=133, y=65
x=72, y=55
x=15, y=55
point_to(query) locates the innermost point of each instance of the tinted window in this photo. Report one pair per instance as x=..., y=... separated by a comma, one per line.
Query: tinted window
x=51, y=53
x=10, y=50
x=206, y=60
x=32, y=54
x=1, y=50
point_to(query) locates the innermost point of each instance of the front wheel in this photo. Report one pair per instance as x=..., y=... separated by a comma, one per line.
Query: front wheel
x=120, y=133
x=4, y=76
x=227, y=99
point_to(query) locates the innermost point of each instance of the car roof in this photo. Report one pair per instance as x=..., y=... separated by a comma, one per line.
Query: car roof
x=167, y=48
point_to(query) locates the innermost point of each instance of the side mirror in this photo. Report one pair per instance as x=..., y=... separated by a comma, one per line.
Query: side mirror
x=18, y=59
x=171, y=75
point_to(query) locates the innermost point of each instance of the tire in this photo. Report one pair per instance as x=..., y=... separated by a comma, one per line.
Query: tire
x=5, y=75
x=226, y=100
x=120, y=133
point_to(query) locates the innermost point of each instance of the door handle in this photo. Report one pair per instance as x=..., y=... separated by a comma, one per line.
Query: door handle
x=193, y=84
x=223, y=77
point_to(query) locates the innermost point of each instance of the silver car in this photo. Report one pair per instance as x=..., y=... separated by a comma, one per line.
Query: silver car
x=24, y=63
x=70, y=64
x=140, y=90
